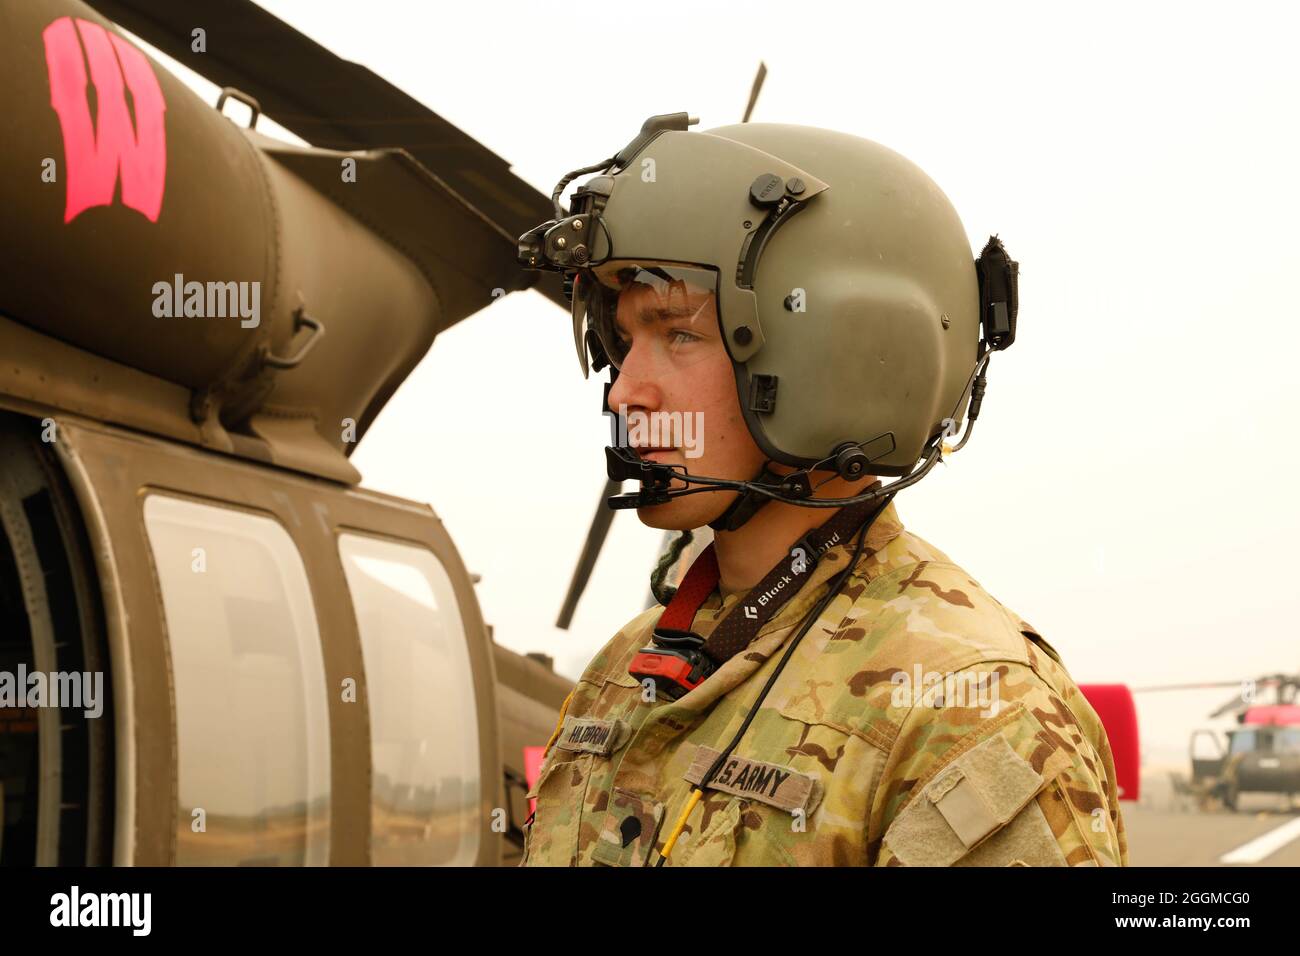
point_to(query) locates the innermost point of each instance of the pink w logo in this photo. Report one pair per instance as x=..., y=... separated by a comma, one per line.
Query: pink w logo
x=93, y=161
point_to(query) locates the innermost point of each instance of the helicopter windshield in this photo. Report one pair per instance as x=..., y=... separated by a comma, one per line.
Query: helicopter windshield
x=1243, y=742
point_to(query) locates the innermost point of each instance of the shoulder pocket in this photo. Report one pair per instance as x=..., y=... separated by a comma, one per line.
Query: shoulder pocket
x=974, y=796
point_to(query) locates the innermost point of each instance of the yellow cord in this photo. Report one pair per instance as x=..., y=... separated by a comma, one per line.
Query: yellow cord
x=681, y=822
x=559, y=724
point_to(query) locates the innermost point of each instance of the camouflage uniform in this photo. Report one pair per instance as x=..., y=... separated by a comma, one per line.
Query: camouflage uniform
x=855, y=757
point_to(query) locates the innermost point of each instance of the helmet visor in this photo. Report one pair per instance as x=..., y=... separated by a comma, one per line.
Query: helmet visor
x=666, y=312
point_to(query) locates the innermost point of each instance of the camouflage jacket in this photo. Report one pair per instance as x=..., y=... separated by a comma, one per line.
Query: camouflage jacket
x=919, y=723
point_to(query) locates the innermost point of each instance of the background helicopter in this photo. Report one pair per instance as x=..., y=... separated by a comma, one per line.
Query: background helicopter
x=1261, y=756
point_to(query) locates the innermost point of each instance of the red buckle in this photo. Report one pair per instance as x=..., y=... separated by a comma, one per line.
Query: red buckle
x=670, y=673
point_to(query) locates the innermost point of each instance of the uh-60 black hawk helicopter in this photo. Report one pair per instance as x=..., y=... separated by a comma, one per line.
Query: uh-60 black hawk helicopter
x=1261, y=755
x=294, y=669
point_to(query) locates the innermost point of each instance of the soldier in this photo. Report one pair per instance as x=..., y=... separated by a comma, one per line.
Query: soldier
x=823, y=687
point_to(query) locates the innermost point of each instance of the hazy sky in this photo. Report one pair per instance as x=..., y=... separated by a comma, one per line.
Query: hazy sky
x=1129, y=488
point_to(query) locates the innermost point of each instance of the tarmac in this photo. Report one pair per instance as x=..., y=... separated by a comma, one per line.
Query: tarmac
x=1170, y=826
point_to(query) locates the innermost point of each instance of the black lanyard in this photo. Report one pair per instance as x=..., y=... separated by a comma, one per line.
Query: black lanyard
x=742, y=623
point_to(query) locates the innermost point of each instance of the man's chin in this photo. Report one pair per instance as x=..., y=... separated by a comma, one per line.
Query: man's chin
x=663, y=517
x=688, y=513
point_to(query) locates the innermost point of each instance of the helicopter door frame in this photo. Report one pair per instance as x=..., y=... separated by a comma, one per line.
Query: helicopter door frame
x=67, y=806
x=1204, y=768
x=112, y=472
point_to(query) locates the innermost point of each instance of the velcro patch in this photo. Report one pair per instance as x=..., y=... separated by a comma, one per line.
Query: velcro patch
x=591, y=736
x=631, y=827
x=978, y=793
x=769, y=783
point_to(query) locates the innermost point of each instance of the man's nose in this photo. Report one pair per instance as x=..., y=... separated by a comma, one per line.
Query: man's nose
x=632, y=390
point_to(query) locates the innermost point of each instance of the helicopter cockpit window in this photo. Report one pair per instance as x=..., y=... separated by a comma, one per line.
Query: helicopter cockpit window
x=423, y=719
x=251, y=721
x=1287, y=740
x=1243, y=742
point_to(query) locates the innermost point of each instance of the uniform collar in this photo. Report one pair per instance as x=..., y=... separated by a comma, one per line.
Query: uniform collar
x=883, y=530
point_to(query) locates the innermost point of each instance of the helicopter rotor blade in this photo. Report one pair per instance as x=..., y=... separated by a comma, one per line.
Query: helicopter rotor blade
x=596, y=535
x=1281, y=683
x=754, y=90
x=1209, y=685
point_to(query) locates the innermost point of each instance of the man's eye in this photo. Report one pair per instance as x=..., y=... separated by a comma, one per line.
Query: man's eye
x=679, y=337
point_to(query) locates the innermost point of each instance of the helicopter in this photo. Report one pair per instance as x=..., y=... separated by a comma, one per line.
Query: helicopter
x=1261, y=755
x=217, y=646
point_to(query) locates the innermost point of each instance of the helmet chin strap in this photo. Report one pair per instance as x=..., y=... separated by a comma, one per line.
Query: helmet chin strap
x=746, y=504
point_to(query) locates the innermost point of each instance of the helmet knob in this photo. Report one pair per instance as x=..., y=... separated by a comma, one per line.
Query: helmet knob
x=851, y=462
x=767, y=190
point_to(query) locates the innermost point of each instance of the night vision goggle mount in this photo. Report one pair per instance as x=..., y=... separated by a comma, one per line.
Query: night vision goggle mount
x=565, y=243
